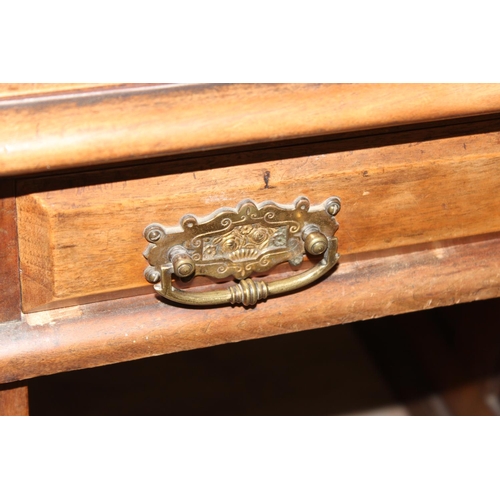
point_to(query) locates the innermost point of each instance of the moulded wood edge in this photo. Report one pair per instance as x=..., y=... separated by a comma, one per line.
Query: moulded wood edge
x=126, y=124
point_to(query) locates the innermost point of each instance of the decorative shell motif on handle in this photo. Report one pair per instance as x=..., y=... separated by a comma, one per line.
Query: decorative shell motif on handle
x=252, y=238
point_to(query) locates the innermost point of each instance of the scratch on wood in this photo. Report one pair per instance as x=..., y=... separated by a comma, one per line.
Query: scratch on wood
x=50, y=317
x=267, y=176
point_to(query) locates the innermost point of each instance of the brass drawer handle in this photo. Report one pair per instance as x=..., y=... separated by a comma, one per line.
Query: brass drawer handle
x=253, y=238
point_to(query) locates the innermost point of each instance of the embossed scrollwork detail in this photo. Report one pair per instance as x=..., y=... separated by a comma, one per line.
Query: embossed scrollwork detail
x=153, y=233
x=252, y=238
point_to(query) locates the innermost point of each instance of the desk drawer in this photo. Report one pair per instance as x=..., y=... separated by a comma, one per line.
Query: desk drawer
x=80, y=235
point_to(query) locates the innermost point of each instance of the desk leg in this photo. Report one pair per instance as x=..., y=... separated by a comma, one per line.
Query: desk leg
x=14, y=400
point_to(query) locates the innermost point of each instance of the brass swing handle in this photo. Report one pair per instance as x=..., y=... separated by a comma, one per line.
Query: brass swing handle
x=252, y=238
x=248, y=292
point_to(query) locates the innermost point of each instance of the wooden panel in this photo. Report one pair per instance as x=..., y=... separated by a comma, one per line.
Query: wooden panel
x=10, y=293
x=378, y=284
x=113, y=125
x=14, y=400
x=81, y=235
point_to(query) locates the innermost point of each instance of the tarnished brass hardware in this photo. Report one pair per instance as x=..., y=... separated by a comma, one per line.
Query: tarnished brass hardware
x=315, y=242
x=183, y=264
x=253, y=238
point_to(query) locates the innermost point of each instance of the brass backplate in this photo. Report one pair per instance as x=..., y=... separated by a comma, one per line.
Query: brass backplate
x=250, y=239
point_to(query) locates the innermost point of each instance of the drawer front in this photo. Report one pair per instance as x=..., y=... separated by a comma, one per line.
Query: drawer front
x=80, y=235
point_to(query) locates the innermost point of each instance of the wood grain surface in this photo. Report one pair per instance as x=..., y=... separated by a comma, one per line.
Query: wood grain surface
x=10, y=292
x=23, y=90
x=108, y=125
x=14, y=400
x=372, y=285
x=81, y=234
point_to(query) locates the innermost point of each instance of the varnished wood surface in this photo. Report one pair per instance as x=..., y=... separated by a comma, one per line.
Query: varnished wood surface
x=81, y=234
x=363, y=287
x=10, y=293
x=14, y=400
x=107, y=125
x=24, y=90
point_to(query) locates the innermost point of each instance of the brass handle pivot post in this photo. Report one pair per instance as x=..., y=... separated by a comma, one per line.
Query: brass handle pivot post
x=253, y=238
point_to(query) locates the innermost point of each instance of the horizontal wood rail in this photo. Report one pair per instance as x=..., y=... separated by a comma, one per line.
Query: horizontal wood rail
x=364, y=286
x=93, y=126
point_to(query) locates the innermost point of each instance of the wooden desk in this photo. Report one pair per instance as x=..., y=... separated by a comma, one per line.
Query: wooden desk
x=85, y=169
